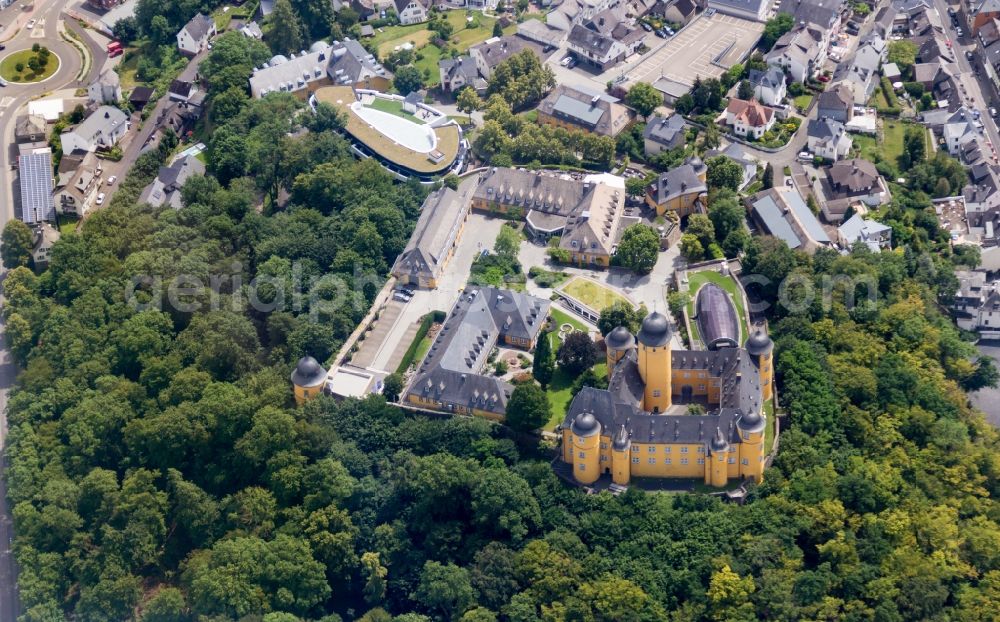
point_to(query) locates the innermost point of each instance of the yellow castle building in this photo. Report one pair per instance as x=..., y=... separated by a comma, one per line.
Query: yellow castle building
x=308, y=379
x=641, y=427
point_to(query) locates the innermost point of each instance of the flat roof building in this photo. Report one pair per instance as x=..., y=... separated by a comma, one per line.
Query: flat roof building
x=35, y=179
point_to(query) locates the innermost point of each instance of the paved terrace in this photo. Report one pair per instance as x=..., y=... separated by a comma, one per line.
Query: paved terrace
x=379, y=139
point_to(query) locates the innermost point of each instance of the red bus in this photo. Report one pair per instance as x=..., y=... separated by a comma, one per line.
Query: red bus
x=115, y=49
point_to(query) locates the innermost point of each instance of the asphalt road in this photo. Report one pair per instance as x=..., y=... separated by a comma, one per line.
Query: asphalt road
x=977, y=88
x=12, y=97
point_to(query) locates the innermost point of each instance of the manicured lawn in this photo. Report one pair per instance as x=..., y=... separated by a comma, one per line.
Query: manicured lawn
x=126, y=71
x=394, y=107
x=592, y=294
x=889, y=145
x=428, y=64
x=560, y=393
x=697, y=279
x=67, y=224
x=802, y=101
x=8, y=67
x=419, y=38
x=892, y=139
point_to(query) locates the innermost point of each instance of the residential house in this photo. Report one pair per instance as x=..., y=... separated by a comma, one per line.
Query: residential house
x=755, y=10
x=768, y=86
x=735, y=152
x=749, y=118
x=460, y=72
x=541, y=33
x=44, y=236
x=77, y=184
x=496, y=50
x=663, y=134
x=976, y=306
x=960, y=129
x=676, y=12
x=573, y=12
x=837, y=103
x=782, y=213
x=101, y=130
x=828, y=139
x=682, y=189
x=800, y=52
x=577, y=109
x=29, y=128
x=166, y=188
x=593, y=48
x=591, y=235
x=106, y=89
x=411, y=11
x=181, y=90
x=34, y=172
x=981, y=12
x=435, y=237
x=454, y=378
x=884, y=19
x=194, y=36
x=862, y=73
x=850, y=181
x=824, y=14
x=871, y=233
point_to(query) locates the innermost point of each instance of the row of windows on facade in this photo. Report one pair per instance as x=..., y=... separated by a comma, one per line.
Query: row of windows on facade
x=731, y=460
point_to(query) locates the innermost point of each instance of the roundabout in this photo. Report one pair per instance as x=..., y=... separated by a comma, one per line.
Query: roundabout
x=29, y=66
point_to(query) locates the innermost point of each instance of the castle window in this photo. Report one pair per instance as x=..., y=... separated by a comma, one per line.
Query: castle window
x=701, y=387
x=745, y=461
x=732, y=461
x=684, y=460
x=666, y=450
x=652, y=460
x=582, y=466
x=746, y=436
x=604, y=458
x=652, y=449
x=667, y=461
x=635, y=448
x=604, y=445
x=684, y=449
x=701, y=461
x=656, y=393
x=583, y=454
x=635, y=461
x=701, y=449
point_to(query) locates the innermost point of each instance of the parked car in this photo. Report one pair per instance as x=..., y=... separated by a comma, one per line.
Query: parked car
x=661, y=33
x=100, y=198
x=709, y=12
x=789, y=182
x=951, y=11
x=401, y=297
x=958, y=31
x=969, y=55
x=3, y=82
x=993, y=112
x=647, y=27
x=805, y=156
x=2, y=46
x=30, y=24
x=112, y=180
x=407, y=291
x=572, y=63
x=566, y=61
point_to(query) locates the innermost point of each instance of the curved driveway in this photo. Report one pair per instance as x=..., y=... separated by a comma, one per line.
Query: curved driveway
x=12, y=97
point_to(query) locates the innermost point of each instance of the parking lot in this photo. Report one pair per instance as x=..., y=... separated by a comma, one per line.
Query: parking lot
x=706, y=48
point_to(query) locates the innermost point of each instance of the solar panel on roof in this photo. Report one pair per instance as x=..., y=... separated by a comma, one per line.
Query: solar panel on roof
x=35, y=172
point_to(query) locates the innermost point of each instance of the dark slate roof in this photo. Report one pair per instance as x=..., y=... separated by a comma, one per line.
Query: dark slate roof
x=655, y=330
x=739, y=407
x=718, y=325
x=180, y=88
x=667, y=131
x=759, y=343
x=593, y=42
x=853, y=176
x=839, y=97
x=619, y=338
x=450, y=373
x=823, y=13
x=441, y=218
x=772, y=78
x=308, y=372
x=141, y=94
x=677, y=181
x=825, y=128
x=199, y=26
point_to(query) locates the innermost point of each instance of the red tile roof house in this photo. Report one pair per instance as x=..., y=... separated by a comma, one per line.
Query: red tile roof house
x=749, y=118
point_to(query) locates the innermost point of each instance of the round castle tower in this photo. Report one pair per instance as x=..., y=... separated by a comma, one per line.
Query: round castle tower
x=586, y=448
x=760, y=347
x=621, y=456
x=654, y=362
x=307, y=379
x=618, y=342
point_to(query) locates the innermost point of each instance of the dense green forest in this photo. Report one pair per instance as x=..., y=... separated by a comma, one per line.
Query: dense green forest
x=159, y=470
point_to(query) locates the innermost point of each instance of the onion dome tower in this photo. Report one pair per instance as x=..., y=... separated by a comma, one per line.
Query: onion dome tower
x=586, y=448
x=618, y=342
x=760, y=348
